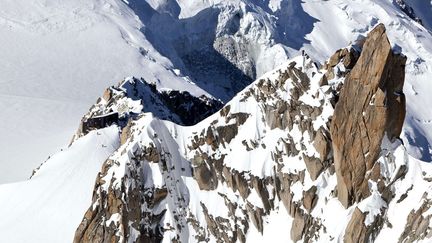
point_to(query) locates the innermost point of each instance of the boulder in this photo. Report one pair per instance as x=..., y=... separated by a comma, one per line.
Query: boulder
x=335, y=58
x=350, y=58
x=314, y=166
x=310, y=198
x=298, y=227
x=322, y=143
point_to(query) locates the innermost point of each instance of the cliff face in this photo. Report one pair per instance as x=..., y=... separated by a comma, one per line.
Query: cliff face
x=315, y=151
x=371, y=105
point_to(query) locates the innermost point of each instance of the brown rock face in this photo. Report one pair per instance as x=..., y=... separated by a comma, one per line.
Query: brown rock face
x=205, y=177
x=356, y=230
x=322, y=143
x=310, y=199
x=313, y=165
x=297, y=228
x=371, y=104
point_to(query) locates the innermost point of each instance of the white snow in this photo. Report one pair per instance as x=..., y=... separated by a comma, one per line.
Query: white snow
x=56, y=59
x=50, y=206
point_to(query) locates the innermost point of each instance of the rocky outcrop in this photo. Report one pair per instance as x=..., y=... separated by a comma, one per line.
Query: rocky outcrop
x=310, y=199
x=322, y=143
x=417, y=225
x=313, y=165
x=371, y=105
x=116, y=106
x=356, y=230
x=116, y=213
x=205, y=177
x=98, y=122
x=339, y=64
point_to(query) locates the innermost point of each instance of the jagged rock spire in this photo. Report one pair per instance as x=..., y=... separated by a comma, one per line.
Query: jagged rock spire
x=371, y=105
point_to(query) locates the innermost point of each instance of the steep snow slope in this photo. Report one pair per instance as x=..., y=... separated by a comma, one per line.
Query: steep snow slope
x=423, y=10
x=46, y=208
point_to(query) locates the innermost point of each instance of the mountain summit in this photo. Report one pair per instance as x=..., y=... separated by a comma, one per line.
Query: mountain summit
x=282, y=154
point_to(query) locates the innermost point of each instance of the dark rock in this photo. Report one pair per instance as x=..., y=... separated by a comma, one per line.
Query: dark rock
x=323, y=81
x=205, y=177
x=189, y=108
x=101, y=121
x=227, y=132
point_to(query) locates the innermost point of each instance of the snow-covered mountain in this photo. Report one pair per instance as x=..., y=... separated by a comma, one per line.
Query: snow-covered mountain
x=330, y=143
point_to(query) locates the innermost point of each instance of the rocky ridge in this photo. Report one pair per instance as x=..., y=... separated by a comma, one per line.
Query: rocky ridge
x=283, y=146
x=133, y=96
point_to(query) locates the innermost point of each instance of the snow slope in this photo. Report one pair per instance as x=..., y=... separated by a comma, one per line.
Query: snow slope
x=49, y=207
x=55, y=59
x=423, y=10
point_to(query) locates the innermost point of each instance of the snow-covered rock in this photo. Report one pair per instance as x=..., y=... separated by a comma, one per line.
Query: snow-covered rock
x=259, y=166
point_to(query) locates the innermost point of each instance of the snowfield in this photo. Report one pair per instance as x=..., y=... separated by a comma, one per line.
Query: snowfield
x=56, y=58
x=48, y=207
